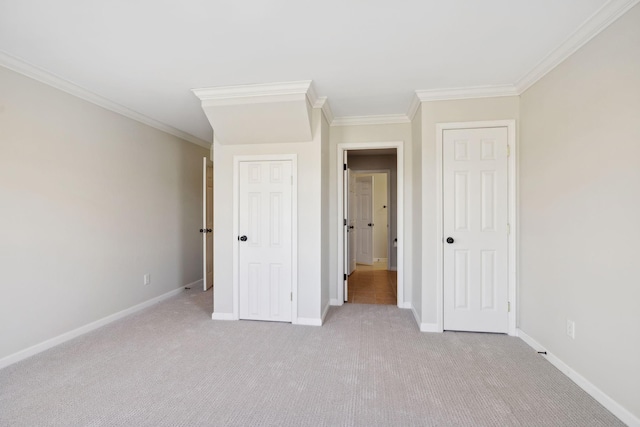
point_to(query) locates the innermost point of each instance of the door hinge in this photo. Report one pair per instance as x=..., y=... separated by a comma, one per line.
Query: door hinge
x=291, y=296
x=508, y=150
x=508, y=228
x=508, y=307
x=345, y=277
x=344, y=166
x=345, y=222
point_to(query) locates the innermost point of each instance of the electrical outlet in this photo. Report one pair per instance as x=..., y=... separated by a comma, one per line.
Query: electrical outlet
x=147, y=279
x=571, y=328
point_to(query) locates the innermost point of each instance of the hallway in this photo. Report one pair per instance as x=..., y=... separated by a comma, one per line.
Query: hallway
x=373, y=284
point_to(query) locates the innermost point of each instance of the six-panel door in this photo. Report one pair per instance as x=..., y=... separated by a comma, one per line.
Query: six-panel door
x=265, y=190
x=475, y=229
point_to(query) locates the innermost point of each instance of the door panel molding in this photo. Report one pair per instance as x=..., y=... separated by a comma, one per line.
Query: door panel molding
x=294, y=225
x=512, y=215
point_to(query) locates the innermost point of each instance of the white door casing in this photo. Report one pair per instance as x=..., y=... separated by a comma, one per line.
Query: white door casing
x=364, y=220
x=265, y=245
x=342, y=148
x=475, y=229
x=207, y=223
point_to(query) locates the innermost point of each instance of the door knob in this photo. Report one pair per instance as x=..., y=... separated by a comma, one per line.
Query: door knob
x=202, y=230
x=242, y=238
x=351, y=227
x=209, y=230
x=370, y=225
x=450, y=240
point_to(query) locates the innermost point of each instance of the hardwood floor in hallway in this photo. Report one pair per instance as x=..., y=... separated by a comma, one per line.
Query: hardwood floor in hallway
x=373, y=284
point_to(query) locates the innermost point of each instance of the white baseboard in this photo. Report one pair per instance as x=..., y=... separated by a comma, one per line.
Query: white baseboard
x=324, y=313
x=309, y=321
x=336, y=302
x=405, y=305
x=223, y=316
x=67, y=336
x=613, y=406
x=380, y=260
x=392, y=268
x=430, y=327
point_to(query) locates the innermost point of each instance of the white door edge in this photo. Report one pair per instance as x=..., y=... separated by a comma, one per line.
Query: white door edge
x=512, y=176
x=294, y=224
x=346, y=146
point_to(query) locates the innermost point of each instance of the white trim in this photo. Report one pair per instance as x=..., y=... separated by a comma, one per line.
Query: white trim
x=595, y=24
x=413, y=106
x=430, y=327
x=399, y=146
x=512, y=215
x=393, y=268
x=405, y=304
x=466, y=93
x=614, y=407
x=223, y=316
x=388, y=119
x=255, y=93
x=308, y=321
x=334, y=301
x=326, y=109
x=324, y=313
x=67, y=336
x=294, y=228
x=415, y=315
x=43, y=76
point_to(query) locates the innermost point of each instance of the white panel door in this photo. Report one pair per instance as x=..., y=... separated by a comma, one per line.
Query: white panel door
x=265, y=246
x=351, y=220
x=475, y=229
x=207, y=220
x=364, y=218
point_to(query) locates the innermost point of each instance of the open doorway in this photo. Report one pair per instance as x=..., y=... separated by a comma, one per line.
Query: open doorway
x=370, y=200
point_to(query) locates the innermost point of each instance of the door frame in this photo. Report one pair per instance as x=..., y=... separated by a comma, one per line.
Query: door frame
x=294, y=227
x=341, y=149
x=388, y=173
x=512, y=214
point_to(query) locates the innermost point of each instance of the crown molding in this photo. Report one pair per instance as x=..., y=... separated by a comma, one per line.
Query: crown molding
x=597, y=22
x=413, y=106
x=31, y=71
x=388, y=119
x=257, y=93
x=323, y=103
x=466, y=93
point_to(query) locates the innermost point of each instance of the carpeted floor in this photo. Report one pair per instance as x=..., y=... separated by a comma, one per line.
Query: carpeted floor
x=171, y=365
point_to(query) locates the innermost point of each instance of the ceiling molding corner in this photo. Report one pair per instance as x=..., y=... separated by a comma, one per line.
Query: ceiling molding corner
x=388, y=119
x=413, y=106
x=50, y=79
x=466, y=93
x=323, y=103
x=595, y=24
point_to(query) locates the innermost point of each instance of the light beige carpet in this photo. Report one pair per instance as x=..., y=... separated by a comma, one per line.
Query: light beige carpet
x=171, y=365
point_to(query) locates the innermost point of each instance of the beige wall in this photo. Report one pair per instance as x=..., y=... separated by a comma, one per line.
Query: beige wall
x=465, y=110
x=90, y=201
x=579, y=210
x=310, y=228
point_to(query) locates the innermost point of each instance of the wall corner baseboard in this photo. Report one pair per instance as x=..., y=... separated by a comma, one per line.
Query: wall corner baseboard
x=604, y=399
x=429, y=327
x=324, y=313
x=335, y=301
x=222, y=316
x=405, y=305
x=67, y=336
x=308, y=321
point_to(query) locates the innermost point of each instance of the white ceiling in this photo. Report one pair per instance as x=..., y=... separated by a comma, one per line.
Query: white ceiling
x=367, y=56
